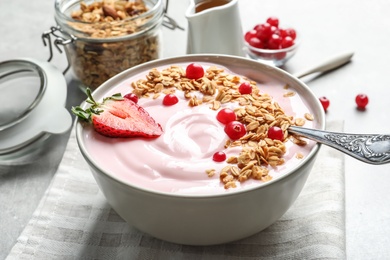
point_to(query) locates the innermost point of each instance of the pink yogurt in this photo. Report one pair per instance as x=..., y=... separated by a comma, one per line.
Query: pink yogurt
x=176, y=162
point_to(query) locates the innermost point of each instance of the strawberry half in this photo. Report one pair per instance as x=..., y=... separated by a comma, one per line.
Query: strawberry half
x=118, y=117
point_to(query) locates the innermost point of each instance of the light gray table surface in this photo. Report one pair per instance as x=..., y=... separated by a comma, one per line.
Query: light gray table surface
x=326, y=27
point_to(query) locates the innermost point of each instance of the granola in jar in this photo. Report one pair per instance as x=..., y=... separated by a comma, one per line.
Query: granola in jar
x=110, y=36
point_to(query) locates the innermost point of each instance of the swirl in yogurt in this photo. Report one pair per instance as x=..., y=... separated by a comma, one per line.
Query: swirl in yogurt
x=177, y=161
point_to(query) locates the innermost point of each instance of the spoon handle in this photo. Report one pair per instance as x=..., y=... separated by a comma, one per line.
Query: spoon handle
x=327, y=65
x=369, y=148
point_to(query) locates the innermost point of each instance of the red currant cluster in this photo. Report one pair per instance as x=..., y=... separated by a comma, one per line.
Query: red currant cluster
x=361, y=102
x=269, y=35
x=235, y=129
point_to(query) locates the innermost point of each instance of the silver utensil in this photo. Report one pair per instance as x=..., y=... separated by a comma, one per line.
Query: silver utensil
x=369, y=148
x=327, y=65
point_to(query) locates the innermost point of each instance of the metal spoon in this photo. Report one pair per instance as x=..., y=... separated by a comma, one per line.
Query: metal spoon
x=369, y=148
x=327, y=65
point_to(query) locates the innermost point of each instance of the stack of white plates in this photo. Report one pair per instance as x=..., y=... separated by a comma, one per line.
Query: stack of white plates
x=32, y=99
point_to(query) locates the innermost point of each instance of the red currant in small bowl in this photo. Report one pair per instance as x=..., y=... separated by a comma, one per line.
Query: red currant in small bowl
x=271, y=43
x=256, y=43
x=287, y=42
x=250, y=35
x=273, y=21
x=275, y=41
x=289, y=32
x=263, y=31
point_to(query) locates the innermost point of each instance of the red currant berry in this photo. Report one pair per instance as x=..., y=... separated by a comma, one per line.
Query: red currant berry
x=249, y=35
x=264, y=31
x=287, y=42
x=219, y=157
x=275, y=133
x=274, y=21
x=170, y=100
x=257, y=27
x=275, y=30
x=235, y=130
x=226, y=115
x=361, y=101
x=282, y=33
x=194, y=71
x=245, y=88
x=274, y=42
x=324, y=102
x=133, y=97
x=291, y=32
x=256, y=42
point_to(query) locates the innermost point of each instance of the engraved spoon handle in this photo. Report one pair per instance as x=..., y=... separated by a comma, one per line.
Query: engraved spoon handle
x=369, y=148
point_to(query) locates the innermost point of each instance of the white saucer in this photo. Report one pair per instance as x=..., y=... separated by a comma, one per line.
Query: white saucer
x=48, y=117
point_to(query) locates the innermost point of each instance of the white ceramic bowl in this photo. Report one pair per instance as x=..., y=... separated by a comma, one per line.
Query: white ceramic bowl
x=205, y=219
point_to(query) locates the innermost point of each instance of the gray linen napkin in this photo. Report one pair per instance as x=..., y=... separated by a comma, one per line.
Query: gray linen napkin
x=74, y=221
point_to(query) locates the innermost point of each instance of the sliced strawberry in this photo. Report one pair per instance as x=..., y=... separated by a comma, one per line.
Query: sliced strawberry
x=125, y=119
x=119, y=117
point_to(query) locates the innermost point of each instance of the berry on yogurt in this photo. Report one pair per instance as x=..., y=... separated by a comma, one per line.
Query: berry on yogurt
x=226, y=115
x=133, y=97
x=235, y=130
x=275, y=133
x=245, y=88
x=170, y=100
x=194, y=71
x=219, y=156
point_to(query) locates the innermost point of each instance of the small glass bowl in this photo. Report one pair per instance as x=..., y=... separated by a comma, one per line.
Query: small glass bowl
x=272, y=57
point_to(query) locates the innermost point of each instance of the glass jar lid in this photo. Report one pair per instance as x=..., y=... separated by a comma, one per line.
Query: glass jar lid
x=32, y=105
x=22, y=86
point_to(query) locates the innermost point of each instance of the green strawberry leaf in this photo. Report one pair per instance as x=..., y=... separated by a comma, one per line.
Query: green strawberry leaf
x=81, y=113
x=116, y=97
x=95, y=107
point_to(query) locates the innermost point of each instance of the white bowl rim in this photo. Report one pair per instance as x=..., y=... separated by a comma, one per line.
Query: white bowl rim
x=211, y=58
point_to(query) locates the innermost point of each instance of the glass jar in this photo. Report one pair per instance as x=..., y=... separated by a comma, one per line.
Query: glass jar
x=107, y=37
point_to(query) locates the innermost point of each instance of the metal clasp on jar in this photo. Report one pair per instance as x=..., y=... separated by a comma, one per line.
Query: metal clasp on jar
x=59, y=40
x=169, y=22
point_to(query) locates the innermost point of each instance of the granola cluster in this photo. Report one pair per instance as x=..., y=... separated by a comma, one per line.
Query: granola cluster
x=109, y=18
x=108, y=45
x=258, y=111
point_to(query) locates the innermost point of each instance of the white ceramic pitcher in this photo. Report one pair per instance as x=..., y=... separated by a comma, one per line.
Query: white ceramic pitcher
x=216, y=30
